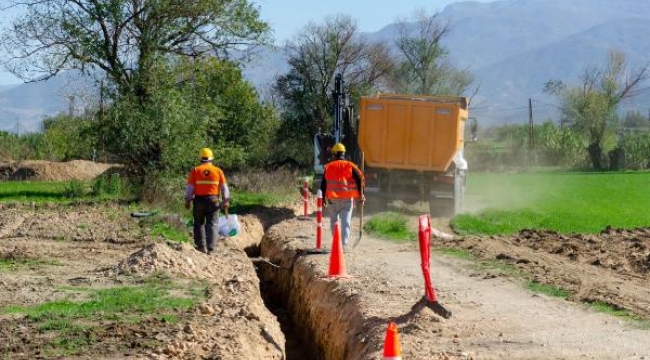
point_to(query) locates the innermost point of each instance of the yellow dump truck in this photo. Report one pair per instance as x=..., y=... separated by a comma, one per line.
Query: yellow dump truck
x=412, y=149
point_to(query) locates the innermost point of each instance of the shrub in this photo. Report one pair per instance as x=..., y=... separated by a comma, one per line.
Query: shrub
x=107, y=184
x=74, y=189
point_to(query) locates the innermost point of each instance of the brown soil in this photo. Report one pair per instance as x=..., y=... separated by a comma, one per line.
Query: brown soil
x=88, y=247
x=62, y=251
x=39, y=170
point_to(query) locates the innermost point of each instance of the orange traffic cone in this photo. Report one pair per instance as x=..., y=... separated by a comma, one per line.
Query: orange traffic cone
x=392, y=349
x=337, y=263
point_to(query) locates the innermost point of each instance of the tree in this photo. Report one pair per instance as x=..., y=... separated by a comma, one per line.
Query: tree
x=423, y=67
x=202, y=103
x=152, y=122
x=316, y=55
x=65, y=138
x=240, y=126
x=125, y=38
x=590, y=107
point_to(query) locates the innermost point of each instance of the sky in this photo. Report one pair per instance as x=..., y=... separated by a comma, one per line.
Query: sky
x=289, y=17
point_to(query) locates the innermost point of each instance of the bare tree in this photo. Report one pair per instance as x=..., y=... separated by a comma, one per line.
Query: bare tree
x=423, y=67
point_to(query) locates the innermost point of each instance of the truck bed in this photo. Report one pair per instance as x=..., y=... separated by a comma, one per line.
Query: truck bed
x=411, y=132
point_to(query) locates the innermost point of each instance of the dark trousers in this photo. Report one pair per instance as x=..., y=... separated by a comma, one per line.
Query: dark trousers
x=205, y=212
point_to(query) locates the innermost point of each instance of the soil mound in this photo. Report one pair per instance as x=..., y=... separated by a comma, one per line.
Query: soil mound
x=40, y=170
x=180, y=259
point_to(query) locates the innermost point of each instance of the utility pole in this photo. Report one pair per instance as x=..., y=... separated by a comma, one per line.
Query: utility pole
x=531, y=133
x=101, y=118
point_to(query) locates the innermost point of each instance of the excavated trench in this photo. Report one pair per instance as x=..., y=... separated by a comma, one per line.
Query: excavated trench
x=320, y=316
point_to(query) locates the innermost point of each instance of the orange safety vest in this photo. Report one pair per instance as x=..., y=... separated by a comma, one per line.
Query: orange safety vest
x=339, y=180
x=206, y=179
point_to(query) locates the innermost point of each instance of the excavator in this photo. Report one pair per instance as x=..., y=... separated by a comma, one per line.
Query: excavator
x=410, y=147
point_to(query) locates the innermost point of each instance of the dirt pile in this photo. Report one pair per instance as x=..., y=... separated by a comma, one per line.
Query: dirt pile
x=40, y=170
x=232, y=323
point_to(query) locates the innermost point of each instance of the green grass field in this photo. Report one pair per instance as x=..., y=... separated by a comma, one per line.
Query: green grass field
x=59, y=191
x=390, y=225
x=36, y=191
x=562, y=202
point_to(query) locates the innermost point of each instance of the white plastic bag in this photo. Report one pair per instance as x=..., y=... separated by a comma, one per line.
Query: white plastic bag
x=229, y=226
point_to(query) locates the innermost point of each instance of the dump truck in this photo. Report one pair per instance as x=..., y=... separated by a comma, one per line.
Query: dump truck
x=410, y=147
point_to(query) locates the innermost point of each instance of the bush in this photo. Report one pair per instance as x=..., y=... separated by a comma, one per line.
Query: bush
x=74, y=189
x=107, y=184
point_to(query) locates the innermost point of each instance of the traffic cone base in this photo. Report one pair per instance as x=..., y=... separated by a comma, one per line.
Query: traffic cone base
x=337, y=262
x=392, y=348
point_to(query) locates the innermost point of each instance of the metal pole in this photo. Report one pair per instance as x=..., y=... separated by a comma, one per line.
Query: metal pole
x=338, y=115
x=319, y=219
x=531, y=134
x=305, y=190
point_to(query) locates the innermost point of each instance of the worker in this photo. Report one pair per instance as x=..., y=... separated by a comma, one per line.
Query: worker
x=206, y=192
x=342, y=184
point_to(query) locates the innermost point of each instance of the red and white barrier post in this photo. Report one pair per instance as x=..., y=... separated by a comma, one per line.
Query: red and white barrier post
x=319, y=219
x=424, y=235
x=305, y=192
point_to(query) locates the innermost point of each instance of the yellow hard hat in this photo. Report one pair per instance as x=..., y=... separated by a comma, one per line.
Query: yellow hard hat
x=338, y=147
x=206, y=154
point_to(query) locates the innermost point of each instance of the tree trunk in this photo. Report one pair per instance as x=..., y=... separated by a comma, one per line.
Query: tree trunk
x=596, y=155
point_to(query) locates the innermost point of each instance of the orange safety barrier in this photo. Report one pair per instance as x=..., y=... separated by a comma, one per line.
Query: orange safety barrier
x=392, y=348
x=337, y=262
x=429, y=300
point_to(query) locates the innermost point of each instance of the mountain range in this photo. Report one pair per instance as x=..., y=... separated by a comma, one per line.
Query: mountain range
x=513, y=47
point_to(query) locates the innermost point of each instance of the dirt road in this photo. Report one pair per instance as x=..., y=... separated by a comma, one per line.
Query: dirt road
x=494, y=317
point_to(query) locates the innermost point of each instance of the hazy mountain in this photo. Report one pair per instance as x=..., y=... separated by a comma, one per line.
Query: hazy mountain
x=513, y=47
x=507, y=85
x=22, y=107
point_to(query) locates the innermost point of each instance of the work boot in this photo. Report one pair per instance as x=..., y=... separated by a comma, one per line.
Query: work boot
x=202, y=249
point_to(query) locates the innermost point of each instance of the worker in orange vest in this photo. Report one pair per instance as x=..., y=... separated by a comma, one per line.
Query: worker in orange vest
x=206, y=186
x=342, y=184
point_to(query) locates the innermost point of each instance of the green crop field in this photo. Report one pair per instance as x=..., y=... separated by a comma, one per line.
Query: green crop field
x=563, y=202
x=36, y=191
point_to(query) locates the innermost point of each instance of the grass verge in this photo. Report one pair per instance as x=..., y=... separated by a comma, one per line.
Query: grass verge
x=15, y=264
x=623, y=314
x=62, y=191
x=391, y=226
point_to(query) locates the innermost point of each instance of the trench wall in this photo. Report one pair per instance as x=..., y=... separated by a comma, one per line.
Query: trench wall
x=326, y=312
